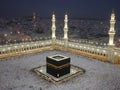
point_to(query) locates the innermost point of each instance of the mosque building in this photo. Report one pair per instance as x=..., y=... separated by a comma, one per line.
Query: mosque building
x=108, y=54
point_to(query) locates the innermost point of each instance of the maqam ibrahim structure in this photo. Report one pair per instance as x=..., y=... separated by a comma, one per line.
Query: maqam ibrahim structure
x=108, y=54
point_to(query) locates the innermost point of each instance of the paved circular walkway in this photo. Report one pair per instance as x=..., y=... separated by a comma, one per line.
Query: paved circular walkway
x=16, y=74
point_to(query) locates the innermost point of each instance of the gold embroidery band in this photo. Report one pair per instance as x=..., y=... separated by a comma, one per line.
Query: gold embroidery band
x=58, y=67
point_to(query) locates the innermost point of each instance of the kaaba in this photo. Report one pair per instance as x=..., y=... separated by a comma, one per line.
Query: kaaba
x=57, y=65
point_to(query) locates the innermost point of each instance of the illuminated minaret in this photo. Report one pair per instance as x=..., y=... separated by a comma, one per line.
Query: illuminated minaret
x=34, y=21
x=112, y=30
x=66, y=31
x=53, y=29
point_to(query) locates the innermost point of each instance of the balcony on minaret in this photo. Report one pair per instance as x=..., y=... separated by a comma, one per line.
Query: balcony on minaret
x=112, y=21
x=53, y=27
x=113, y=16
x=112, y=32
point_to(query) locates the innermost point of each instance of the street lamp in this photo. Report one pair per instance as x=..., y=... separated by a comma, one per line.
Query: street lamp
x=5, y=35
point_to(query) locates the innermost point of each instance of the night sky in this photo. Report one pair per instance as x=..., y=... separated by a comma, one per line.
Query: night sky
x=74, y=8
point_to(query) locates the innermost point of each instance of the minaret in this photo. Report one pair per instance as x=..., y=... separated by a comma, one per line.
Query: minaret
x=111, y=38
x=53, y=29
x=34, y=21
x=112, y=30
x=66, y=31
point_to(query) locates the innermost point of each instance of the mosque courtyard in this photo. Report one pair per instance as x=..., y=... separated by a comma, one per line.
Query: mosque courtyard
x=16, y=73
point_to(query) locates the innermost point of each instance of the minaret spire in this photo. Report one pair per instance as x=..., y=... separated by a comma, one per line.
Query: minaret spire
x=53, y=28
x=112, y=30
x=66, y=31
